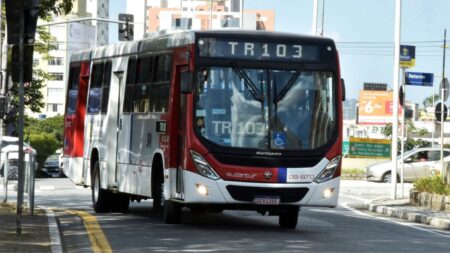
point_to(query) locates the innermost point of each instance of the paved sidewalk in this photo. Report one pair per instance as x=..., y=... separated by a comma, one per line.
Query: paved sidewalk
x=401, y=209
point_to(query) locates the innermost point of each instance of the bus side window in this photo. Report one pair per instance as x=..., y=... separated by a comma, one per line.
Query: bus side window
x=105, y=86
x=142, y=90
x=72, y=91
x=95, y=92
x=161, y=85
x=131, y=81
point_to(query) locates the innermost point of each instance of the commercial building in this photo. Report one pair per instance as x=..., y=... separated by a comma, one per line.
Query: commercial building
x=164, y=15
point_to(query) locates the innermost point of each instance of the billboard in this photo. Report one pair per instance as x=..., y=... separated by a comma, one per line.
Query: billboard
x=80, y=36
x=375, y=107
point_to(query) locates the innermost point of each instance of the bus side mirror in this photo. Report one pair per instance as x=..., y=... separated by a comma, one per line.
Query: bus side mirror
x=186, y=81
x=343, y=89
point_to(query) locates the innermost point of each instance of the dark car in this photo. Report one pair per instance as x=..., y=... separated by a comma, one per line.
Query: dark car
x=51, y=167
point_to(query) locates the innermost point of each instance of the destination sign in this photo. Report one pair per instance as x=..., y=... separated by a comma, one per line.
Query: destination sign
x=259, y=50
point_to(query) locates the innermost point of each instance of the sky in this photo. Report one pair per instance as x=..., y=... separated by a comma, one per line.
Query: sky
x=364, y=34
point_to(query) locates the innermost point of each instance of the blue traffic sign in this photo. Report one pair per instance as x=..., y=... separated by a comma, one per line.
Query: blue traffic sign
x=420, y=79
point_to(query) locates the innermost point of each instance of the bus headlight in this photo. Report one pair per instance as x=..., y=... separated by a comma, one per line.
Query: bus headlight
x=329, y=170
x=203, y=166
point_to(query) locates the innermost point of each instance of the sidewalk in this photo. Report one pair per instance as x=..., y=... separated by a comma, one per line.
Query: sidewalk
x=401, y=209
x=39, y=232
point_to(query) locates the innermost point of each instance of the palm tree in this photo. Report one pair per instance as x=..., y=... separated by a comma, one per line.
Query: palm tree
x=428, y=101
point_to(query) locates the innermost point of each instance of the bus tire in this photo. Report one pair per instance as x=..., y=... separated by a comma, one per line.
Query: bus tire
x=158, y=188
x=101, y=199
x=289, y=218
x=120, y=202
x=172, y=212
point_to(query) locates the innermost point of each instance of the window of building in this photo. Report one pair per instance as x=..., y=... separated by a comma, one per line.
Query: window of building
x=55, y=92
x=56, y=76
x=52, y=107
x=56, y=61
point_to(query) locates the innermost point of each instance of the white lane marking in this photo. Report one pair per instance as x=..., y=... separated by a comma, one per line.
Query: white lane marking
x=46, y=187
x=366, y=201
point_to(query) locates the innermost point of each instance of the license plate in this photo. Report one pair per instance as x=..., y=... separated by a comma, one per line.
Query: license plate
x=266, y=200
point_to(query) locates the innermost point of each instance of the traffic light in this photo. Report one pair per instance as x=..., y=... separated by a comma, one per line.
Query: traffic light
x=21, y=20
x=18, y=11
x=27, y=63
x=126, y=29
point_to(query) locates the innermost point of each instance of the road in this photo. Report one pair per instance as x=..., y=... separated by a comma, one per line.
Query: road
x=341, y=229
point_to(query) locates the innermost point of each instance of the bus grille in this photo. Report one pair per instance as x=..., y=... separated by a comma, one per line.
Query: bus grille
x=246, y=193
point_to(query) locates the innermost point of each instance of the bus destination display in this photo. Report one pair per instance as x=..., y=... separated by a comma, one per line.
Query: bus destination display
x=257, y=50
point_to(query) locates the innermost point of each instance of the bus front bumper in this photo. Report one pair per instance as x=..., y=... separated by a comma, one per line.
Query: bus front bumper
x=201, y=190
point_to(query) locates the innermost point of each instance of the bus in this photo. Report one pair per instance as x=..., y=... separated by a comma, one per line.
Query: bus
x=207, y=121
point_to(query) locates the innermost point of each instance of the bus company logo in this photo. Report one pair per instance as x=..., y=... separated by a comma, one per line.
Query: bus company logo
x=268, y=175
x=266, y=153
x=241, y=175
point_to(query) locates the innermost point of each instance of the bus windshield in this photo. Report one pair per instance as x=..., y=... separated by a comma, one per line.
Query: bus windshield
x=266, y=109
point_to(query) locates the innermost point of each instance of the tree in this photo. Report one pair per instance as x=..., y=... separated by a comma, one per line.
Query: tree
x=34, y=99
x=53, y=127
x=428, y=101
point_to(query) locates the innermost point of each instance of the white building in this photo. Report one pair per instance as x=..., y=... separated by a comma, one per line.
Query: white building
x=70, y=37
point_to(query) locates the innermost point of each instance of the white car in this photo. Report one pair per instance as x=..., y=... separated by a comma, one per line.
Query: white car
x=10, y=144
x=418, y=163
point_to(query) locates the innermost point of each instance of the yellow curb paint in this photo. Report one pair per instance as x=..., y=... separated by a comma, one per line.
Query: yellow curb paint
x=96, y=236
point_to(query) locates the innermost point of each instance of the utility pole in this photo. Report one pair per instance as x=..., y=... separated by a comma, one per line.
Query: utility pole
x=398, y=12
x=443, y=98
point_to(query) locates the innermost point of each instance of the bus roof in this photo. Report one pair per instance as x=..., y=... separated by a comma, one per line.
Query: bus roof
x=183, y=38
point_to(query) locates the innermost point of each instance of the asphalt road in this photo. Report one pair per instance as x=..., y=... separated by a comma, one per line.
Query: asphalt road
x=341, y=229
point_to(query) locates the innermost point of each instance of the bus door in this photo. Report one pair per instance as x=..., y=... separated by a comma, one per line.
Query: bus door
x=117, y=77
x=181, y=132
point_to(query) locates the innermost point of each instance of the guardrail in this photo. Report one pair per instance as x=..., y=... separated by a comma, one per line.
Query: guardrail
x=29, y=178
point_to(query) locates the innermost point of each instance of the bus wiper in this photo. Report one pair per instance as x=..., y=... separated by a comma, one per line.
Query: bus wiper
x=248, y=82
x=288, y=86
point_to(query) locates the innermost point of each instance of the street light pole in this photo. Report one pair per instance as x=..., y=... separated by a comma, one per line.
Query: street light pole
x=444, y=173
x=395, y=82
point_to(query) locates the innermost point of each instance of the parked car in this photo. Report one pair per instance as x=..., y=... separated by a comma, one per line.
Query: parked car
x=417, y=163
x=10, y=144
x=51, y=166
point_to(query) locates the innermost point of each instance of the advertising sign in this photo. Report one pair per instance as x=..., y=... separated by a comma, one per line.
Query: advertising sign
x=373, y=148
x=375, y=107
x=80, y=36
x=407, y=56
x=419, y=79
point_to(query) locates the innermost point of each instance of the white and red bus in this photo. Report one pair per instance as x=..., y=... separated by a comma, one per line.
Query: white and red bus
x=207, y=120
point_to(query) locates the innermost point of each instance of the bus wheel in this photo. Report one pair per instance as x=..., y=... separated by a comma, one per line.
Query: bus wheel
x=158, y=193
x=100, y=197
x=172, y=212
x=289, y=218
x=120, y=202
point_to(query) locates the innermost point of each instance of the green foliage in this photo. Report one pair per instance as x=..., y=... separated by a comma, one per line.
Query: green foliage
x=433, y=184
x=44, y=43
x=428, y=101
x=53, y=127
x=353, y=171
x=45, y=145
x=56, y=7
x=387, y=130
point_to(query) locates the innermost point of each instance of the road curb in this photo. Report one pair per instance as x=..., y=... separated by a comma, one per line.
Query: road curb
x=410, y=216
x=55, y=238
